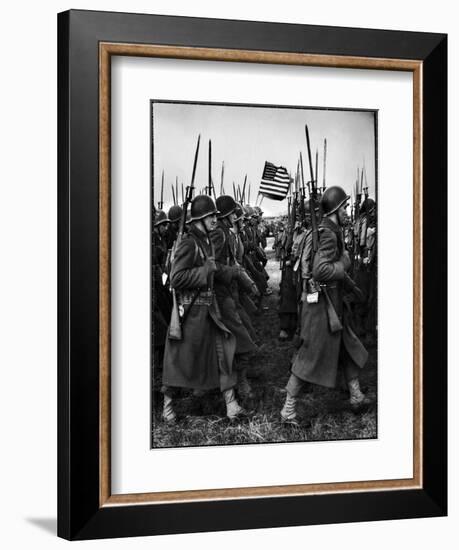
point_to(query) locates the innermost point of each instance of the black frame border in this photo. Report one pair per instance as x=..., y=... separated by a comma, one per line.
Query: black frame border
x=79, y=514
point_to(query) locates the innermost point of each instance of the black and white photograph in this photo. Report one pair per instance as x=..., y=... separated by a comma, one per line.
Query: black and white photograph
x=263, y=274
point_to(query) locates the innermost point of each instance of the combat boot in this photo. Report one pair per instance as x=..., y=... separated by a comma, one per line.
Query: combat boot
x=288, y=412
x=233, y=409
x=358, y=400
x=168, y=411
x=243, y=386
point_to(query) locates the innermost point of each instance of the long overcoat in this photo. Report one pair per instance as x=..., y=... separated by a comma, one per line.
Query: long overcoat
x=193, y=362
x=317, y=359
x=226, y=289
x=161, y=299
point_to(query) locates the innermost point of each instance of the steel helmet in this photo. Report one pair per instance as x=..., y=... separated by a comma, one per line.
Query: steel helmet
x=332, y=199
x=258, y=210
x=248, y=211
x=226, y=205
x=201, y=207
x=239, y=212
x=175, y=213
x=367, y=206
x=160, y=217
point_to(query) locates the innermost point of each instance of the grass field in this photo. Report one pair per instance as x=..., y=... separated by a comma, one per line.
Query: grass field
x=324, y=413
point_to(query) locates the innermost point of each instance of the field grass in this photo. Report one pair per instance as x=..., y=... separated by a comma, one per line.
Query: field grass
x=324, y=413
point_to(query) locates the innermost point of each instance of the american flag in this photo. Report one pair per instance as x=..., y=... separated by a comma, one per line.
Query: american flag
x=275, y=182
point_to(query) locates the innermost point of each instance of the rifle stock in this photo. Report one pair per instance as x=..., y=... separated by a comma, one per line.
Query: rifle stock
x=175, y=327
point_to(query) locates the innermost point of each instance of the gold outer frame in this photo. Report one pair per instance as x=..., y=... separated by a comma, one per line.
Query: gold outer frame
x=106, y=51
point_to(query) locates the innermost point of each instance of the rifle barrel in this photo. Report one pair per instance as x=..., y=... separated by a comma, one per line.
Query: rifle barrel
x=311, y=170
x=210, y=167
x=325, y=162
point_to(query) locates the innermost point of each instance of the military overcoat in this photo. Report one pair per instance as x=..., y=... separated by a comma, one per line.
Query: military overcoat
x=194, y=362
x=317, y=359
x=226, y=289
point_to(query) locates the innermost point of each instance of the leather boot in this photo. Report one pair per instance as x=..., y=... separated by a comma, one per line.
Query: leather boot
x=243, y=387
x=288, y=412
x=357, y=400
x=168, y=411
x=233, y=409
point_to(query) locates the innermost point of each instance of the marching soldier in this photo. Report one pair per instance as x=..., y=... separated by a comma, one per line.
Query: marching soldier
x=245, y=288
x=328, y=340
x=365, y=276
x=287, y=291
x=174, y=215
x=229, y=275
x=161, y=297
x=251, y=261
x=203, y=358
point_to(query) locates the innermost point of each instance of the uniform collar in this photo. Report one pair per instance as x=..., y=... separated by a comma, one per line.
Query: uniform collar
x=329, y=224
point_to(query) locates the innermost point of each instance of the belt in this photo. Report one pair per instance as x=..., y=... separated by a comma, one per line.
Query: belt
x=204, y=298
x=327, y=285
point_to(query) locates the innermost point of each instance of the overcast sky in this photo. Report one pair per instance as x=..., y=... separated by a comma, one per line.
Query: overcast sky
x=244, y=137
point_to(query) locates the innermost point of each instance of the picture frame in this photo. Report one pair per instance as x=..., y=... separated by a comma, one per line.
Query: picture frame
x=86, y=42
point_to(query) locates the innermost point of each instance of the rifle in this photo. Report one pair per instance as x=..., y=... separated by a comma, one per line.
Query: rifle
x=325, y=165
x=365, y=189
x=243, y=189
x=316, y=179
x=210, y=168
x=300, y=193
x=333, y=319
x=175, y=327
x=222, y=192
x=173, y=194
x=160, y=204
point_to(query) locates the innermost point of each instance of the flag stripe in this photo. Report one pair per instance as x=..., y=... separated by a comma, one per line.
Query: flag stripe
x=275, y=181
x=272, y=190
x=278, y=185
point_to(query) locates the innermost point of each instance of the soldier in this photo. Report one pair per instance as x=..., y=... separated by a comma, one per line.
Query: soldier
x=365, y=276
x=161, y=297
x=203, y=358
x=245, y=294
x=278, y=239
x=251, y=262
x=327, y=337
x=288, y=291
x=227, y=280
x=174, y=215
x=243, y=291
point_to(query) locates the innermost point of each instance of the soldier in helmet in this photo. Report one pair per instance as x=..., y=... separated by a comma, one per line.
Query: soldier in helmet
x=229, y=276
x=365, y=275
x=288, y=307
x=203, y=358
x=161, y=297
x=327, y=339
x=252, y=259
x=175, y=215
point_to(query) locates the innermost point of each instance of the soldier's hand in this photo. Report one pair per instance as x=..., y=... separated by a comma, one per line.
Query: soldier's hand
x=211, y=265
x=304, y=296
